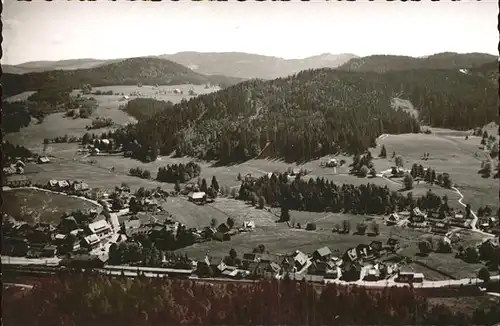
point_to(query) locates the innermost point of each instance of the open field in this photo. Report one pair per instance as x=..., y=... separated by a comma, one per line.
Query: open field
x=160, y=93
x=95, y=177
x=19, y=97
x=56, y=124
x=279, y=238
x=28, y=204
x=448, y=153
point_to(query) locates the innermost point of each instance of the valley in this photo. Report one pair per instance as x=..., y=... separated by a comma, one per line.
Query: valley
x=327, y=176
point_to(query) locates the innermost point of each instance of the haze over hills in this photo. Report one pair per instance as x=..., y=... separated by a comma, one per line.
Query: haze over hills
x=245, y=65
x=232, y=64
x=445, y=60
x=132, y=71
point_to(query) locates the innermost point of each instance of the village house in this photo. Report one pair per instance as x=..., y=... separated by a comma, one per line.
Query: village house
x=300, y=260
x=322, y=254
x=409, y=277
x=392, y=244
x=208, y=232
x=397, y=172
x=223, y=228
x=263, y=270
x=199, y=197
x=101, y=229
x=325, y=268
x=248, y=225
x=372, y=274
x=15, y=181
x=43, y=160
x=376, y=247
x=80, y=187
x=365, y=252
x=417, y=216
x=351, y=271
x=91, y=241
x=48, y=251
x=393, y=219
x=440, y=228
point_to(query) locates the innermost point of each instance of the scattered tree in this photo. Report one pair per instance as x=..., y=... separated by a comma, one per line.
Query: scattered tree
x=361, y=228
x=230, y=222
x=408, y=181
x=484, y=274
x=398, y=160
x=383, y=152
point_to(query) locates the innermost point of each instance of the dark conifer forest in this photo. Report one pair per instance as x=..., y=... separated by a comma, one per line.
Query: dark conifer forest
x=311, y=114
x=99, y=300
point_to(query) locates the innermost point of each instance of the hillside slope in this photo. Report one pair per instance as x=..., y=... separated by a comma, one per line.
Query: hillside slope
x=245, y=65
x=445, y=60
x=312, y=114
x=127, y=72
x=241, y=65
x=40, y=66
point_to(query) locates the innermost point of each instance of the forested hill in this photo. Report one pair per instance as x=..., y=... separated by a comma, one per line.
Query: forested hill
x=445, y=60
x=490, y=70
x=311, y=114
x=127, y=72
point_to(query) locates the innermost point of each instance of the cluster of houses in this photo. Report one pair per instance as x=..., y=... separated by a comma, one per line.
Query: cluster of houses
x=68, y=186
x=360, y=262
x=81, y=233
x=489, y=224
x=167, y=231
x=435, y=222
x=14, y=168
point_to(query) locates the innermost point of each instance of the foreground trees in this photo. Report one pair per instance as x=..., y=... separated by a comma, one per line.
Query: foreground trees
x=98, y=300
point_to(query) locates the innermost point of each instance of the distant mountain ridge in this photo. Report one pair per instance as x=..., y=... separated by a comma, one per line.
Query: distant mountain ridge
x=445, y=60
x=245, y=65
x=124, y=72
x=231, y=64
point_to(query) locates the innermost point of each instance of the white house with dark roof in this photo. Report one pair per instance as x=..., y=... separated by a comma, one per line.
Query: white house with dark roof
x=197, y=197
x=92, y=241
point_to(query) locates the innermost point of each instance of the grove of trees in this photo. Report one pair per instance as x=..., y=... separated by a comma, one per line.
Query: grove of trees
x=84, y=299
x=173, y=173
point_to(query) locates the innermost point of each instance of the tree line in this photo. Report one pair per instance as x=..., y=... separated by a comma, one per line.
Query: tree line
x=311, y=114
x=83, y=299
x=182, y=173
x=320, y=195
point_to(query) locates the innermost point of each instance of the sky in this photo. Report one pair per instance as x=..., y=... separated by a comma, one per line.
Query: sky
x=57, y=30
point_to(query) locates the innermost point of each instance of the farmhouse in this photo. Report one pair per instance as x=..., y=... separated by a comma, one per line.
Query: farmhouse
x=249, y=225
x=416, y=215
x=43, y=160
x=440, y=228
x=409, y=277
x=223, y=228
x=397, y=171
x=393, y=219
x=322, y=254
x=325, y=268
x=199, y=197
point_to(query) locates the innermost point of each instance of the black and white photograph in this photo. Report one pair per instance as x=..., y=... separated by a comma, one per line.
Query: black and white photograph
x=250, y=163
